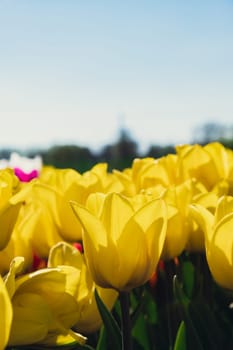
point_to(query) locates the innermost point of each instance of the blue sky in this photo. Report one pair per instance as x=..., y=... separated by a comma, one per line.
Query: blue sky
x=74, y=71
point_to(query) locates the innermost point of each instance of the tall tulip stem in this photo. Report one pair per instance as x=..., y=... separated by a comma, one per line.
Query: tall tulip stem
x=125, y=321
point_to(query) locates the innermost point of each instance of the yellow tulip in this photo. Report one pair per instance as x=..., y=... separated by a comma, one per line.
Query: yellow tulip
x=6, y=315
x=122, y=246
x=196, y=236
x=9, y=204
x=8, y=217
x=108, y=182
x=38, y=214
x=45, y=233
x=20, y=243
x=59, y=187
x=146, y=173
x=218, y=230
x=177, y=199
x=222, y=158
x=96, y=179
x=162, y=171
x=89, y=319
x=44, y=311
x=209, y=164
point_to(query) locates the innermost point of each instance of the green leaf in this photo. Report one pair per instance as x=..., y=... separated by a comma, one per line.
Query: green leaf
x=188, y=276
x=184, y=302
x=112, y=328
x=180, y=342
x=179, y=293
x=139, y=332
x=151, y=309
x=144, y=304
x=102, y=340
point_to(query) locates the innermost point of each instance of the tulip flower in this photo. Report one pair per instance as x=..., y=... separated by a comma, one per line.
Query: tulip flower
x=132, y=178
x=44, y=310
x=89, y=319
x=179, y=227
x=62, y=186
x=20, y=240
x=218, y=230
x=38, y=214
x=196, y=236
x=6, y=315
x=146, y=173
x=122, y=246
x=9, y=205
x=209, y=164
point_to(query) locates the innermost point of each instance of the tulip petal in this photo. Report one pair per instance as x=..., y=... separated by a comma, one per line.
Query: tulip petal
x=42, y=281
x=6, y=315
x=223, y=237
x=115, y=214
x=224, y=207
x=64, y=253
x=97, y=249
x=146, y=233
x=204, y=218
x=95, y=202
x=133, y=258
x=8, y=217
x=16, y=266
x=220, y=252
x=64, y=337
x=31, y=319
x=91, y=224
x=152, y=218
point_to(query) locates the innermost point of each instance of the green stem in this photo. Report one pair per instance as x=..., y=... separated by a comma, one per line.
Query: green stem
x=125, y=321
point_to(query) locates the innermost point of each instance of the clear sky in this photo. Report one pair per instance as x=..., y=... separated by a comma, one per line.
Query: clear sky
x=74, y=71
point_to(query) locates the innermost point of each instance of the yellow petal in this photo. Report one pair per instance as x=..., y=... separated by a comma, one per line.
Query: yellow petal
x=64, y=253
x=91, y=224
x=219, y=154
x=156, y=233
x=132, y=269
x=8, y=217
x=116, y=212
x=220, y=252
x=90, y=320
x=95, y=202
x=30, y=320
x=176, y=235
x=16, y=267
x=98, y=248
x=152, y=219
x=224, y=207
x=140, y=245
x=63, y=336
x=204, y=218
x=6, y=315
x=42, y=281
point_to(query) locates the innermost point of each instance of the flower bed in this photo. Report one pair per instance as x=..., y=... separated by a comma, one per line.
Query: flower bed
x=134, y=259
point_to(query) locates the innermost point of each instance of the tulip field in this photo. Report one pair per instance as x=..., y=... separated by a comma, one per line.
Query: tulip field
x=139, y=258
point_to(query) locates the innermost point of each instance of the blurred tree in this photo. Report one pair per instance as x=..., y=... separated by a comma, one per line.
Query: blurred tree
x=69, y=156
x=6, y=152
x=120, y=154
x=156, y=151
x=212, y=131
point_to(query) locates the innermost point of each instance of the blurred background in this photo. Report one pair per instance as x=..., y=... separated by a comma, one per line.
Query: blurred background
x=88, y=81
